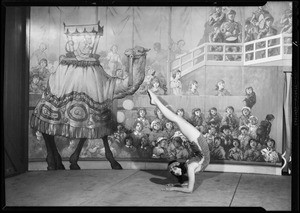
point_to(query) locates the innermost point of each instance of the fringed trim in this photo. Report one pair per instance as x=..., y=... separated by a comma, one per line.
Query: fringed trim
x=81, y=63
x=72, y=132
x=76, y=96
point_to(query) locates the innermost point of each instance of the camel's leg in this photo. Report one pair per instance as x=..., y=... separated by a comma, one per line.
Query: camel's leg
x=57, y=158
x=49, y=140
x=75, y=156
x=109, y=156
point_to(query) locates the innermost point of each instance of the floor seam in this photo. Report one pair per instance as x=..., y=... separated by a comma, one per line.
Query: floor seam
x=235, y=190
x=111, y=185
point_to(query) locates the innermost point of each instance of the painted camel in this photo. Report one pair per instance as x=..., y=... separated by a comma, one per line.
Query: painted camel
x=77, y=103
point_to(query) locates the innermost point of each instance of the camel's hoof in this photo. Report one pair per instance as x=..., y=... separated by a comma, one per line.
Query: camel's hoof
x=74, y=166
x=51, y=168
x=116, y=166
x=61, y=167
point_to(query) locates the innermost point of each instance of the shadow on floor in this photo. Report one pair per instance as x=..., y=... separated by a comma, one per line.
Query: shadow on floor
x=166, y=177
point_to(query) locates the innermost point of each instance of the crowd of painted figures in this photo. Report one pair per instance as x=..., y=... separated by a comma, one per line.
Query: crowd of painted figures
x=230, y=137
x=259, y=25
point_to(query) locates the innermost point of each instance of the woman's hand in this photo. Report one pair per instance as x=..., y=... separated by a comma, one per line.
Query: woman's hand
x=167, y=188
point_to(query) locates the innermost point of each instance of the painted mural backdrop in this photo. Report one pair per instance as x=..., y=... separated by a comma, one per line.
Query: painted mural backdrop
x=233, y=105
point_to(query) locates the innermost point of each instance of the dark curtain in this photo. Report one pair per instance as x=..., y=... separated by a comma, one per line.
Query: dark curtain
x=15, y=91
x=287, y=118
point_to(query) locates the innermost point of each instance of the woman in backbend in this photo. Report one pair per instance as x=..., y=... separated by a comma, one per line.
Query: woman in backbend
x=200, y=156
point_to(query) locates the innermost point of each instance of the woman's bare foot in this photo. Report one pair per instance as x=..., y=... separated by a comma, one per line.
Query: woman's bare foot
x=153, y=97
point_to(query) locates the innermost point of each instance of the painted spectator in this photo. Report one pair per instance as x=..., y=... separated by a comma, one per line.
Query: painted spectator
x=250, y=99
x=253, y=153
x=244, y=137
x=193, y=88
x=269, y=153
x=221, y=90
x=264, y=129
x=235, y=153
x=231, y=29
x=218, y=152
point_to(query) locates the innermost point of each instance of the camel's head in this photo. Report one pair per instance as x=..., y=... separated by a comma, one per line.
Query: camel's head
x=136, y=52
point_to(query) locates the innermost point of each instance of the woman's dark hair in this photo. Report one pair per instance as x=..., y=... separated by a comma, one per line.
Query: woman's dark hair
x=182, y=178
x=270, y=117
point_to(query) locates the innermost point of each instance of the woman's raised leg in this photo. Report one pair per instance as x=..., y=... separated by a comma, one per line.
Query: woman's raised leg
x=185, y=127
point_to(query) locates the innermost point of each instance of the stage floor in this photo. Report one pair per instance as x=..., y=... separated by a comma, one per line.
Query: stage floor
x=111, y=188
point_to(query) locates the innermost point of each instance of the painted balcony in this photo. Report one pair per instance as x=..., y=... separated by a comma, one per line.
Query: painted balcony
x=271, y=51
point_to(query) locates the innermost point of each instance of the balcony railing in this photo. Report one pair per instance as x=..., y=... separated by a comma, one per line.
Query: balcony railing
x=258, y=51
x=268, y=49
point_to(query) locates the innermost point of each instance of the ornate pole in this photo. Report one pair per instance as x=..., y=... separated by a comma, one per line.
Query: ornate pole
x=169, y=49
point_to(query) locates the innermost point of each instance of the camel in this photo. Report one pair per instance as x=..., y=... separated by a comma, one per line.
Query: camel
x=77, y=103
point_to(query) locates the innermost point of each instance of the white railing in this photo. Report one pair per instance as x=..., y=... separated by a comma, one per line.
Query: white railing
x=268, y=49
x=190, y=61
x=262, y=50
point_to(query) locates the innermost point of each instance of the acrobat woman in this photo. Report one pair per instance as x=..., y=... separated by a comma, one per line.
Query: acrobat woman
x=200, y=156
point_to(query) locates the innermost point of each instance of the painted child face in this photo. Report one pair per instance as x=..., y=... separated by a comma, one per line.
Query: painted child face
x=270, y=144
x=268, y=22
x=217, y=142
x=128, y=142
x=138, y=127
x=159, y=113
x=169, y=125
x=155, y=84
x=231, y=16
x=119, y=73
x=114, y=48
x=142, y=113
x=253, y=144
x=43, y=64
x=253, y=121
x=163, y=143
x=246, y=112
x=194, y=86
x=213, y=112
x=235, y=143
x=226, y=131
x=35, y=80
x=248, y=90
x=229, y=111
x=119, y=127
x=156, y=126
x=178, y=75
x=180, y=113
x=212, y=130
x=181, y=44
x=198, y=113
x=221, y=85
x=244, y=131
x=176, y=144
